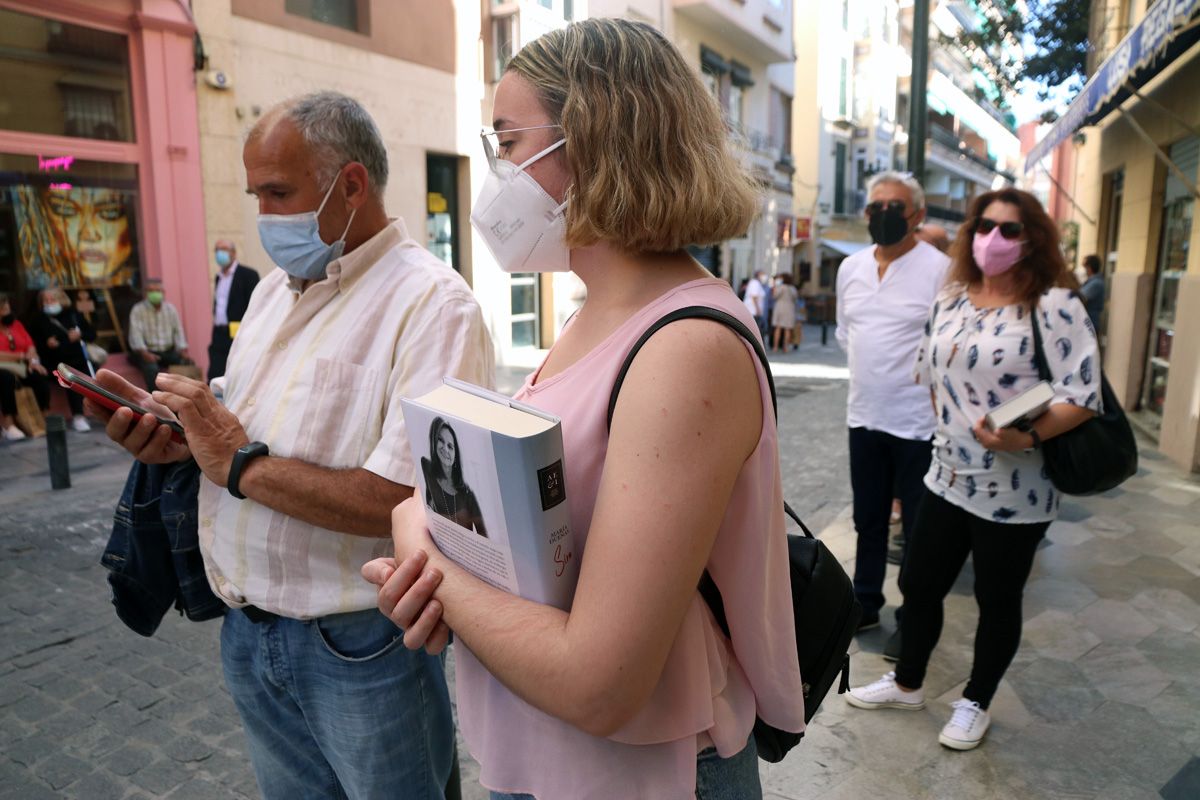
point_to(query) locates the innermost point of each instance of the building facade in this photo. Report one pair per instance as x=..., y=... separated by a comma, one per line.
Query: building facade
x=1137, y=124
x=853, y=76
x=100, y=183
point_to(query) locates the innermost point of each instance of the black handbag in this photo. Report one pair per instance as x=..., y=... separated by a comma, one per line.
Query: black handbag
x=1096, y=456
x=824, y=608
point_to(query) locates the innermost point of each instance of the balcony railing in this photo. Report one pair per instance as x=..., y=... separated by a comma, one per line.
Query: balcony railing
x=948, y=139
x=948, y=214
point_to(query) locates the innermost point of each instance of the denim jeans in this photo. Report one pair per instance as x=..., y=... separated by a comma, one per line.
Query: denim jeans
x=337, y=707
x=879, y=464
x=733, y=778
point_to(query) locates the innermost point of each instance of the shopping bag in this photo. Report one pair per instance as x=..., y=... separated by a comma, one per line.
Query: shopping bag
x=29, y=417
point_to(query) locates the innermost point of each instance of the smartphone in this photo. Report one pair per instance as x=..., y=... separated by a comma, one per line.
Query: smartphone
x=70, y=378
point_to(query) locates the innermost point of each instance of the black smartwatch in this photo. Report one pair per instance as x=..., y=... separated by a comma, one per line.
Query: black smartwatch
x=244, y=455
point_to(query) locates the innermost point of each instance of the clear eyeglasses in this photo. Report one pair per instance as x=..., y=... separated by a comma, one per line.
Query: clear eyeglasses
x=490, y=150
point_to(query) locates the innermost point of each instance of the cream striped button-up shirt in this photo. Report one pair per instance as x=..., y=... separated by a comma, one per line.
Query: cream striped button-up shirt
x=318, y=376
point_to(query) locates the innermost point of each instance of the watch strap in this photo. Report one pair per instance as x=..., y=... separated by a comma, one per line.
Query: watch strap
x=1037, y=440
x=244, y=455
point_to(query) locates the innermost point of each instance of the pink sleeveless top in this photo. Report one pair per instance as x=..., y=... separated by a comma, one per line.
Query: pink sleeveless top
x=709, y=686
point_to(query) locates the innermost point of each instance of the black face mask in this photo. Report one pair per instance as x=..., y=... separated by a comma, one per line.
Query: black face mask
x=8, y=319
x=888, y=227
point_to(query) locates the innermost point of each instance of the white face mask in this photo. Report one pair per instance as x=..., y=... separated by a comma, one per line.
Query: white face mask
x=523, y=226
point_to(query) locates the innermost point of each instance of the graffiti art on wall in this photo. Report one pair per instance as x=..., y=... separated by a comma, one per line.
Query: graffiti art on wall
x=74, y=235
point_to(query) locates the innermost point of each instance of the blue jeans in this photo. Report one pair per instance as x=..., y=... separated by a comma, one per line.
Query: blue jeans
x=337, y=707
x=733, y=778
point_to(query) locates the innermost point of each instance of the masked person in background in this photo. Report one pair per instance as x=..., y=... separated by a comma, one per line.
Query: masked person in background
x=232, y=288
x=884, y=294
x=156, y=339
x=986, y=493
x=61, y=335
x=308, y=456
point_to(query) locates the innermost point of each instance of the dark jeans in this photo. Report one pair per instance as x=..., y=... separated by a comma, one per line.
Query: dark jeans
x=879, y=464
x=1002, y=554
x=218, y=351
x=9, y=383
x=150, y=369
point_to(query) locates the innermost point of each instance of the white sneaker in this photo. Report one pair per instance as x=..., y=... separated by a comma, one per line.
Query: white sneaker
x=884, y=693
x=80, y=424
x=966, y=727
x=13, y=434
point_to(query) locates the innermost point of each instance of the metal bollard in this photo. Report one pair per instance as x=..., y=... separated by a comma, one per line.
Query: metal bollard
x=824, y=333
x=56, y=449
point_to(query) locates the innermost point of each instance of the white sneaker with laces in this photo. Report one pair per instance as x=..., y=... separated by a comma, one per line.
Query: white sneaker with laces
x=884, y=693
x=80, y=424
x=13, y=434
x=966, y=727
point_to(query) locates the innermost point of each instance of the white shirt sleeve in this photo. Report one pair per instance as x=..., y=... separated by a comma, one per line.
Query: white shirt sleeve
x=448, y=339
x=842, y=331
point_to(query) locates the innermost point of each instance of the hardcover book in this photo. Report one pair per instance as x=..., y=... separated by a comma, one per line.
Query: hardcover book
x=491, y=475
x=1022, y=409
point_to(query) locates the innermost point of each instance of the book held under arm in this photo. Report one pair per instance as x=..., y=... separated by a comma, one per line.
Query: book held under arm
x=1022, y=410
x=494, y=489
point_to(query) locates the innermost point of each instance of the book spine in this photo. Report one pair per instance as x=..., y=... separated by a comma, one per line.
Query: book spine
x=537, y=516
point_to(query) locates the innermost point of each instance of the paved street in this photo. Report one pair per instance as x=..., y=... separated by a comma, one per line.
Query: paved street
x=1102, y=702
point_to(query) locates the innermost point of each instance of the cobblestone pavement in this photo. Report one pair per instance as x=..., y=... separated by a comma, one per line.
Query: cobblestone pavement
x=1102, y=702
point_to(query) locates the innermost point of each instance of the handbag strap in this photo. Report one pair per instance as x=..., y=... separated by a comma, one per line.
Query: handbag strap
x=1039, y=351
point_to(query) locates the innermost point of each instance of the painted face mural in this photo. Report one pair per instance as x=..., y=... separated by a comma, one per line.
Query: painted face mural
x=75, y=235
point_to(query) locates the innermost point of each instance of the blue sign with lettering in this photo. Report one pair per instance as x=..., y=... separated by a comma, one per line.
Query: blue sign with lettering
x=1168, y=29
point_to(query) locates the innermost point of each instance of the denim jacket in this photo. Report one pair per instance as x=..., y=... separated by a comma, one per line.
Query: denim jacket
x=153, y=555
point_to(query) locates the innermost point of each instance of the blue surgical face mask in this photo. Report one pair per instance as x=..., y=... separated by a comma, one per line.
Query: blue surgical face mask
x=223, y=258
x=293, y=241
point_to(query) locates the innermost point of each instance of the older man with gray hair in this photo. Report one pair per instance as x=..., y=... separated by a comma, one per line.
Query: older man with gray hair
x=884, y=294
x=305, y=459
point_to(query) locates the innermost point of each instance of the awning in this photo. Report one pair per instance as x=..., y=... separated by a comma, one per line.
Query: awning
x=844, y=247
x=1169, y=28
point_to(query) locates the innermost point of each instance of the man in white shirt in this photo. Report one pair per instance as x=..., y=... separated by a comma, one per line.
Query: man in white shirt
x=884, y=294
x=305, y=460
x=755, y=301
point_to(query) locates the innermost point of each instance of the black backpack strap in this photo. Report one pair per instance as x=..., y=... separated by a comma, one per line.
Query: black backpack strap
x=692, y=312
x=708, y=587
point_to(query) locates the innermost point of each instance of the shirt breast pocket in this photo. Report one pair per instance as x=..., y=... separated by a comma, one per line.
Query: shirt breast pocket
x=341, y=413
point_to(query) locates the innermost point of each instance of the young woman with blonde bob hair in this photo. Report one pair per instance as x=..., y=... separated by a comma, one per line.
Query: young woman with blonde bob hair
x=611, y=151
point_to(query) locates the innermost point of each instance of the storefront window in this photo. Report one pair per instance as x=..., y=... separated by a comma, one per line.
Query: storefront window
x=1178, y=212
x=524, y=318
x=441, y=218
x=63, y=79
x=73, y=224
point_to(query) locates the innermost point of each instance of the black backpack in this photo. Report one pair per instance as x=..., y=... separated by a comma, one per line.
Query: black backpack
x=823, y=602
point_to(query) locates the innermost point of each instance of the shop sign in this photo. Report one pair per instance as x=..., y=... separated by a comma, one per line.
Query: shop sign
x=1164, y=33
x=803, y=229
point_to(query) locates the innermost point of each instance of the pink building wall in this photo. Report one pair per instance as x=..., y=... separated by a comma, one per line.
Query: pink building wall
x=166, y=148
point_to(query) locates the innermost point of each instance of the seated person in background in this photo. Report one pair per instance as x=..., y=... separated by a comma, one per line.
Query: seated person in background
x=156, y=339
x=19, y=366
x=447, y=492
x=61, y=335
